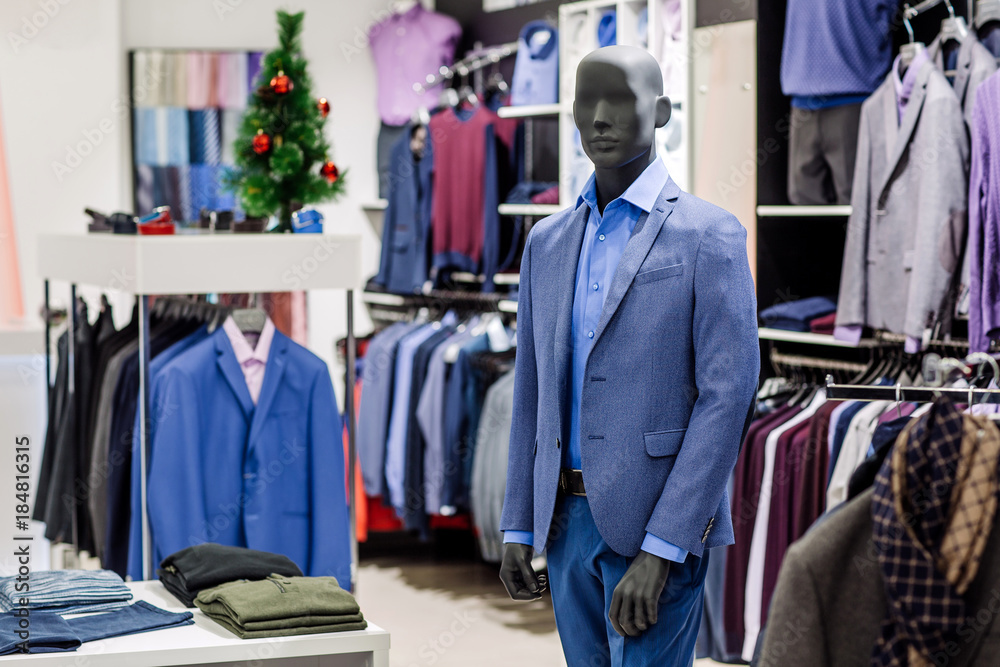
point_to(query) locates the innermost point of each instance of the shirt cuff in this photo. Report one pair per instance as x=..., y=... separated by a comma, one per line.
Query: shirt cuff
x=518, y=537
x=849, y=334
x=654, y=545
x=912, y=345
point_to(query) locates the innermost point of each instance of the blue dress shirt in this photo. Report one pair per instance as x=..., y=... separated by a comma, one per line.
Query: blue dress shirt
x=604, y=243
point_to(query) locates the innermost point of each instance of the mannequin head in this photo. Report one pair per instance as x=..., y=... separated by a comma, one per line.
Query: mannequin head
x=619, y=104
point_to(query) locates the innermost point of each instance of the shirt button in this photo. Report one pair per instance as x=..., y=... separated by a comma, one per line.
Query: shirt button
x=601, y=237
x=596, y=287
x=590, y=335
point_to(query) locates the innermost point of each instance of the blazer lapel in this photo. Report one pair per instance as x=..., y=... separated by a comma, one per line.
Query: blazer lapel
x=272, y=380
x=910, y=118
x=230, y=368
x=645, y=233
x=571, y=237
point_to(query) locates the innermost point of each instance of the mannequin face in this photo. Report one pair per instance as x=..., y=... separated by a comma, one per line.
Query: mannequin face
x=615, y=113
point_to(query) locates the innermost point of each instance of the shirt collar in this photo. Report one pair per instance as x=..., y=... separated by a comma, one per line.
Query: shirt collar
x=643, y=192
x=904, y=85
x=241, y=346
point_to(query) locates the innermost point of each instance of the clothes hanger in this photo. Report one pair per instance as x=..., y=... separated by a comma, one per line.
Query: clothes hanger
x=250, y=319
x=913, y=48
x=953, y=28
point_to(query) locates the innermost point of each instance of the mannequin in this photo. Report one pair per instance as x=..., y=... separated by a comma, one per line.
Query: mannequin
x=653, y=422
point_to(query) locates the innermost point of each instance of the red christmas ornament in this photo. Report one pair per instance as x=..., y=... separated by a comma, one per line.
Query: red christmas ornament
x=329, y=171
x=324, y=106
x=261, y=142
x=281, y=84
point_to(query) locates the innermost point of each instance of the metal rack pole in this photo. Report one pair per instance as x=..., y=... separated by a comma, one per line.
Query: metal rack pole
x=857, y=392
x=71, y=357
x=48, y=346
x=352, y=451
x=147, y=548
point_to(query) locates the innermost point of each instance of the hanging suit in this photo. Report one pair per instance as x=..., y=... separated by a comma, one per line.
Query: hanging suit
x=906, y=232
x=268, y=477
x=404, y=265
x=975, y=64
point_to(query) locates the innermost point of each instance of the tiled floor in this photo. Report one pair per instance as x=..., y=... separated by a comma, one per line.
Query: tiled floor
x=454, y=612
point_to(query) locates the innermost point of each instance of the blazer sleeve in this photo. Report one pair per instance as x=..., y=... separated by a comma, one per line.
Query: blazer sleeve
x=852, y=302
x=518, y=505
x=795, y=627
x=940, y=214
x=176, y=491
x=329, y=539
x=726, y=369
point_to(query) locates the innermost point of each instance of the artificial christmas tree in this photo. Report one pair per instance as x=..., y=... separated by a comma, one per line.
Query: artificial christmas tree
x=282, y=158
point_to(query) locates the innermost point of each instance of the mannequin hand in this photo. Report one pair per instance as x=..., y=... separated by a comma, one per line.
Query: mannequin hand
x=637, y=596
x=517, y=574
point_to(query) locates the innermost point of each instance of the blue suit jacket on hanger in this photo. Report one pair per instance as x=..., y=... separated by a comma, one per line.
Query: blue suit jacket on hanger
x=268, y=477
x=668, y=384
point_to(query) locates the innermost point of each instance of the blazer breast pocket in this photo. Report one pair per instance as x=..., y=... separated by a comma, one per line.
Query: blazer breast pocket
x=664, y=443
x=653, y=275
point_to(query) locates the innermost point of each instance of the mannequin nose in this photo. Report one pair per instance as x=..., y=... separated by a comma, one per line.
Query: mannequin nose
x=602, y=116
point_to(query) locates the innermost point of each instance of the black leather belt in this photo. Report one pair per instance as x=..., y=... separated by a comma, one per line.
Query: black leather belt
x=571, y=482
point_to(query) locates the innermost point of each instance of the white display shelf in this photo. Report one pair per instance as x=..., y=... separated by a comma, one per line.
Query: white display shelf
x=507, y=279
x=803, y=211
x=21, y=339
x=466, y=277
x=382, y=299
x=203, y=263
x=530, y=110
x=507, y=306
x=208, y=643
x=377, y=205
x=811, y=338
x=529, y=209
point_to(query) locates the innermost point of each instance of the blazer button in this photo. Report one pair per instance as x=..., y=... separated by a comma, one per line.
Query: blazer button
x=557, y=443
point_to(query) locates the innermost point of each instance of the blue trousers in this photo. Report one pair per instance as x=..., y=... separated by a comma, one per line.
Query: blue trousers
x=583, y=573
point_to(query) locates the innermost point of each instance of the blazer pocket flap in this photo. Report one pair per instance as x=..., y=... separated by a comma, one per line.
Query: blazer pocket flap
x=664, y=443
x=659, y=274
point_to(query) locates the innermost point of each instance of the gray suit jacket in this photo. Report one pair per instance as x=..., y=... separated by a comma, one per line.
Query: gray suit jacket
x=975, y=65
x=906, y=232
x=830, y=602
x=671, y=374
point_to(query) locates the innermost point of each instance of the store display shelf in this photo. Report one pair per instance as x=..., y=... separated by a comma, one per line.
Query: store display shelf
x=465, y=277
x=529, y=209
x=507, y=306
x=206, y=642
x=803, y=211
x=529, y=110
x=811, y=338
x=377, y=205
x=383, y=299
x=201, y=264
x=507, y=279
x=21, y=339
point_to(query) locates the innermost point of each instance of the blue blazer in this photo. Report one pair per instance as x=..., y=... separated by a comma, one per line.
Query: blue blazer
x=268, y=477
x=670, y=378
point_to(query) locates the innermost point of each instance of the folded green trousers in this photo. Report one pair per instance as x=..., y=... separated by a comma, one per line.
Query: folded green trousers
x=281, y=606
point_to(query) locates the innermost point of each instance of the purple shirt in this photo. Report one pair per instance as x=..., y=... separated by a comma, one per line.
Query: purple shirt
x=252, y=358
x=984, y=218
x=406, y=48
x=904, y=86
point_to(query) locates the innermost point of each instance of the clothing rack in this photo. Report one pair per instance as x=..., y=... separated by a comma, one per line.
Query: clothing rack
x=226, y=264
x=475, y=61
x=899, y=393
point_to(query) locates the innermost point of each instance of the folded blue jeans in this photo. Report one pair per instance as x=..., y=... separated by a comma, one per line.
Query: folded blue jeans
x=51, y=633
x=45, y=632
x=136, y=618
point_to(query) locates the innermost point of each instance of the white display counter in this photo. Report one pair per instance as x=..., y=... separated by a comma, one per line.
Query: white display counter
x=207, y=643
